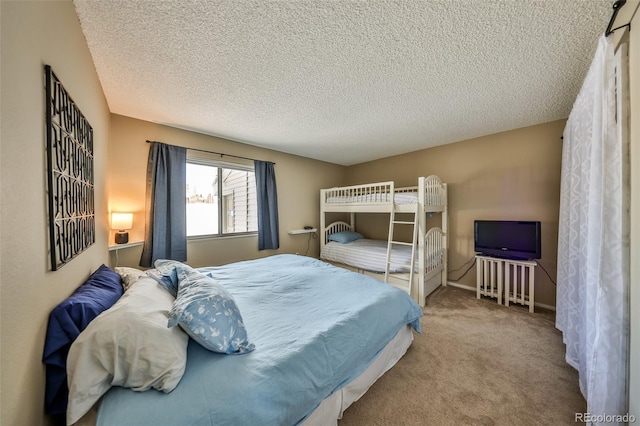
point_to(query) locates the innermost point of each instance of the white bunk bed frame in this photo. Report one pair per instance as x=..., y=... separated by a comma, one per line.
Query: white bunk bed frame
x=379, y=198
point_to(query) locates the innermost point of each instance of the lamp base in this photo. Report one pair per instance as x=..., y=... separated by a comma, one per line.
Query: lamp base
x=122, y=237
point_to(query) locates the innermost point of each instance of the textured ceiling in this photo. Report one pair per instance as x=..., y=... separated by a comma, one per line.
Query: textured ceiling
x=343, y=81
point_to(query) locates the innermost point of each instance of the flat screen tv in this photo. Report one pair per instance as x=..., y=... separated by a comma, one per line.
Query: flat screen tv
x=517, y=240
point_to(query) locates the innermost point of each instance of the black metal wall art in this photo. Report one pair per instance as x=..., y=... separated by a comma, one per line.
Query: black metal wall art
x=72, y=224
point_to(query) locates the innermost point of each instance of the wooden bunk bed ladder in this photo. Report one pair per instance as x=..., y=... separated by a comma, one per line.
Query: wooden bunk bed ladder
x=391, y=242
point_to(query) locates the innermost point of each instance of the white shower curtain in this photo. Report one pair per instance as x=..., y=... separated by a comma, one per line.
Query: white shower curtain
x=593, y=242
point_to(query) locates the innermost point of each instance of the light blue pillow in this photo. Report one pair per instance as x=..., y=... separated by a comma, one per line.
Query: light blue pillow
x=207, y=312
x=166, y=275
x=345, y=236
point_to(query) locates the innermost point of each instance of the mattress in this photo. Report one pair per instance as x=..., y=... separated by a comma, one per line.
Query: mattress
x=399, y=198
x=370, y=255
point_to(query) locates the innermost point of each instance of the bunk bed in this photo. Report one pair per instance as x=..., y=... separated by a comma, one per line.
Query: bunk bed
x=389, y=260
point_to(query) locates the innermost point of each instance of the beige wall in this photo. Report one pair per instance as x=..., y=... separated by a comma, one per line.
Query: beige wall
x=34, y=34
x=513, y=175
x=299, y=181
x=509, y=175
x=634, y=76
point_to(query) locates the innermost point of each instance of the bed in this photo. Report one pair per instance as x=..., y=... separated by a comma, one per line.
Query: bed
x=370, y=256
x=322, y=336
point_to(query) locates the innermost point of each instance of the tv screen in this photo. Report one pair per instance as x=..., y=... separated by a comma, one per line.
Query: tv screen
x=517, y=240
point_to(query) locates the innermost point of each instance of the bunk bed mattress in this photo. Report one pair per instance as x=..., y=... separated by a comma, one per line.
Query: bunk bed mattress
x=410, y=197
x=315, y=327
x=370, y=255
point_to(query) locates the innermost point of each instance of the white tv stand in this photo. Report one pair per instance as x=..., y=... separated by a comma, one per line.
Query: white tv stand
x=505, y=279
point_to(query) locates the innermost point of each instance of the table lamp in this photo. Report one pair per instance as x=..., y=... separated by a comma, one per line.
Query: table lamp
x=121, y=222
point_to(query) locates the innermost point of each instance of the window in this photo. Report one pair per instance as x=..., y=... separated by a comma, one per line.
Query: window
x=221, y=199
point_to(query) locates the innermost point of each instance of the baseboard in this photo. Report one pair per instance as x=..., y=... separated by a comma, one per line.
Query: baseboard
x=468, y=287
x=543, y=306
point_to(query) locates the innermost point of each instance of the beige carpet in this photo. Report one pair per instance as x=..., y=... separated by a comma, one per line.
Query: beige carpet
x=475, y=363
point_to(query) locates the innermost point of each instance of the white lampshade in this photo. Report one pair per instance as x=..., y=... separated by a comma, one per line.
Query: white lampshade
x=121, y=221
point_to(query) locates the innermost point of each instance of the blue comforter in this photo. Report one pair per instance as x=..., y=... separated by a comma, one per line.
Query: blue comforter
x=315, y=327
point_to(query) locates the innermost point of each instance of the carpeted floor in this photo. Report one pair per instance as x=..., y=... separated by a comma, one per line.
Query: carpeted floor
x=475, y=363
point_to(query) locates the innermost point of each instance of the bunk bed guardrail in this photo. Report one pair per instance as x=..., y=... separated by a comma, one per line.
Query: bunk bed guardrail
x=384, y=192
x=371, y=193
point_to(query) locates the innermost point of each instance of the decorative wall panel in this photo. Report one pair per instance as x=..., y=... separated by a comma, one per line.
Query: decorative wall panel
x=70, y=175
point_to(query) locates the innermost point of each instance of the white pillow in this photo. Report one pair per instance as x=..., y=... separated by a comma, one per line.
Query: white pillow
x=129, y=276
x=127, y=345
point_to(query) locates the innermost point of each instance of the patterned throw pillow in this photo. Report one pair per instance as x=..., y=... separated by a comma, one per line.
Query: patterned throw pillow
x=166, y=275
x=208, y=313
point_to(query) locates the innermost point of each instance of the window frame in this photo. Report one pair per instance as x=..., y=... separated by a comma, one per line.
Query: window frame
x=220, y=166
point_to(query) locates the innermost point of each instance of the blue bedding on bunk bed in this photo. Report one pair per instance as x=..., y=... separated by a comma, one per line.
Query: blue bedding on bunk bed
x=315, y=328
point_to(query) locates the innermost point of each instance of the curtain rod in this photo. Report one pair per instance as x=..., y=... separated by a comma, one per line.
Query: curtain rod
x=616, y=8
x=221, y=154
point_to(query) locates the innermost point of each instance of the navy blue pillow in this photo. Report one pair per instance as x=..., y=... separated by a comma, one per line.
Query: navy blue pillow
x=67, y=320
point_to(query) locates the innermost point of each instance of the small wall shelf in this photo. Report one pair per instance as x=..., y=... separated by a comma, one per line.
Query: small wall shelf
x=303, y=231
x=127, y=245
